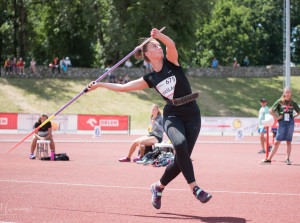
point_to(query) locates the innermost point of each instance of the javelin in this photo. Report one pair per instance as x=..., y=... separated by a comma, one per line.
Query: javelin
x=85, y=90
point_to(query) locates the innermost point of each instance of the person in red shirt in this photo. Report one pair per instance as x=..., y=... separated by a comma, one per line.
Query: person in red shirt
x=55, y=65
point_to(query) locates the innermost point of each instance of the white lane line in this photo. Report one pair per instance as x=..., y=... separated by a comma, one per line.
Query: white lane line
x=146, y=188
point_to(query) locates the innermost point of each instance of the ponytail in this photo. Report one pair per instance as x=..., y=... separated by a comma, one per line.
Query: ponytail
x=140, y=54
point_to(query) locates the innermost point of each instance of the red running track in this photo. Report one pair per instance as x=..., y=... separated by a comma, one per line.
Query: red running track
x=95, y=187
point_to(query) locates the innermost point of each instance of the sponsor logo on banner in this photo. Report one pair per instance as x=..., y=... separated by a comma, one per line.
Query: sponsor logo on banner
x=3, y=121
x=92, y=122
x=237, y=124
x=109, y=123
x=106, y=122
x=229, y=124
x=8, y=121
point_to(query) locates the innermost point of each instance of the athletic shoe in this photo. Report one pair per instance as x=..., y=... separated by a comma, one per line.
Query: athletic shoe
x=201, y=195
x=262, y=151
x=265, y=161
x=124, y=159
x=156, y=195
x=151, y=161
x=136, y=159
x=142, y=160
x=32, y=156
x=288, y=162
x=165, y=162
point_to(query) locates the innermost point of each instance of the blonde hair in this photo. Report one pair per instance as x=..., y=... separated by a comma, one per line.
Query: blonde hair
x=282, y=98
x=158, y=111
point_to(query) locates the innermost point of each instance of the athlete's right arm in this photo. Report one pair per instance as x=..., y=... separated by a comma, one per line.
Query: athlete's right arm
x=138, y=84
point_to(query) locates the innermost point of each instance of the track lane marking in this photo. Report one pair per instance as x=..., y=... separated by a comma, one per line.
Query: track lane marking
x=146, y=188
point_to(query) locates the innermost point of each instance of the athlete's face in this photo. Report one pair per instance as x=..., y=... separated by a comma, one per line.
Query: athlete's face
x=154, y=50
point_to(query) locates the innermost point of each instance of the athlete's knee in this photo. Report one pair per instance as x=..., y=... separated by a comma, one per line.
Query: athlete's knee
x=180, y=144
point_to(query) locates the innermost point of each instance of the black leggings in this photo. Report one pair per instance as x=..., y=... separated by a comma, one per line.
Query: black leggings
x=183, y=132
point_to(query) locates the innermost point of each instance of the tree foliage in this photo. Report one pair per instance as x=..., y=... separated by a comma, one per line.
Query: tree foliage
x=95, y=33
x=240, y=28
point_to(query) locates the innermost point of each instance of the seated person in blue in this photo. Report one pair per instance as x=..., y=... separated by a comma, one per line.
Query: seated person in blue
x=156, y=134
x=44, y=133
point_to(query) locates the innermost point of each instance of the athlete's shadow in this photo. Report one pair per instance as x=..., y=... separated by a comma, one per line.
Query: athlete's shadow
x=204, y=219
x=162, y=215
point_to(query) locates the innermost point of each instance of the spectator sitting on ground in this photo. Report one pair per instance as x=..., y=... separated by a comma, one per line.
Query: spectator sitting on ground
x=148, y=67
x=111, y=77
x=120, y=80
x=155, y=135
x=44, y=133
x=126, y=79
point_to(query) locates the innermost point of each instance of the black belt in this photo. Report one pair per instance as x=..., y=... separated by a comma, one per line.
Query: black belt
x=183, y=100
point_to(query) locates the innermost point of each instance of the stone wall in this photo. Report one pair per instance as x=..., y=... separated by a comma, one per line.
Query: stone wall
x=94, y=73
x=252, y=71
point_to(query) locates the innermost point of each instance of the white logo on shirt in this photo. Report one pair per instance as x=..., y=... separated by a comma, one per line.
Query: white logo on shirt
x=167, y=87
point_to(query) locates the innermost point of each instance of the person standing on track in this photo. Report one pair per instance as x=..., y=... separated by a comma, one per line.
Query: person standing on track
x=182, y=119
x=261, y=129
x=285, y=107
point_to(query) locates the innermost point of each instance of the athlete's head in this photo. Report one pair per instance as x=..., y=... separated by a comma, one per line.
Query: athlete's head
x=150, y=51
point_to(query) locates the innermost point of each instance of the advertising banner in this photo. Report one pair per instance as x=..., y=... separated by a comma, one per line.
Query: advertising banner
x=297, y=125
x=8, y=121
x=106, y=122
x=229, y=124
x=60, y=124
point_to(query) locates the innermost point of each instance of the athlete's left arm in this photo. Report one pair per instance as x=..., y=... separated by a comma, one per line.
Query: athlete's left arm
x=172, y=54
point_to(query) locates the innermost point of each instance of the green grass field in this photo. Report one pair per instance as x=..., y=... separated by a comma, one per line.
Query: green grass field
x=238, y=97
